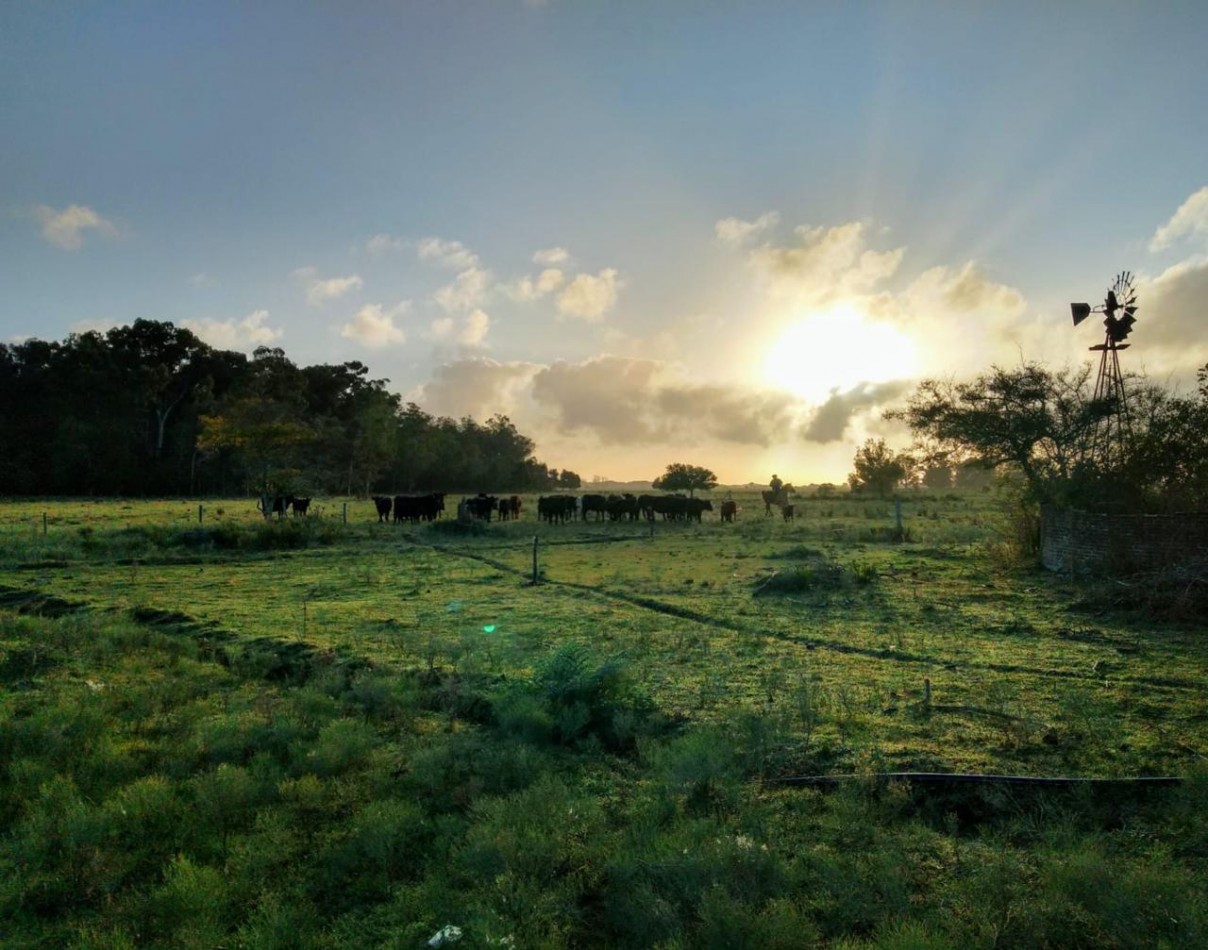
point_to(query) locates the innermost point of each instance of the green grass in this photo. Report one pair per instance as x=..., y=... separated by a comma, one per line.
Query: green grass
x=329, y=734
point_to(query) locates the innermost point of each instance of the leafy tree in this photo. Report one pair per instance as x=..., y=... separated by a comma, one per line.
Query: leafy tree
x=878, y=468
x=1047, y=425
x=570, y=480
x=1032, y=418
x=682, y=477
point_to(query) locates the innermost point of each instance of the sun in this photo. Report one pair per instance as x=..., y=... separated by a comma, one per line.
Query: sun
x=837, y=348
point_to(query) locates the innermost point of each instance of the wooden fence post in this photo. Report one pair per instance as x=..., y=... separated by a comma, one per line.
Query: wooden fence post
x=200, y=513
x=345, y=515
x=536, y=574
x=44, y=524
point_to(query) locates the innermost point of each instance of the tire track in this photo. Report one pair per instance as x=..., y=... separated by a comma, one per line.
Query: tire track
x=832, y=646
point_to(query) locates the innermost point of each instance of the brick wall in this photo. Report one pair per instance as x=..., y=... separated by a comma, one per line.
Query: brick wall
x=1082, y=541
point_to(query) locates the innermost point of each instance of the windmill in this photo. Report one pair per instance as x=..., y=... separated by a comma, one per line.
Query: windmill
x=1119, y=308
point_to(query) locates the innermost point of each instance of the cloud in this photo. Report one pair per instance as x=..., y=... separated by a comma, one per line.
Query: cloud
x=452, y=254
x=528, y=288
x=1170, y=321
x=477, y=387
x=373, y=326
x=826, y=263
x=319, y=291
x=588, y=297
x=472, y=332
x=735, y=231
x=1191, y=218
x=467, y=291
x=637, y=401
x=235, y=334
x=965, y=291
x=381, y=244
x=201, y=279
x=551, y=256
x=65, y=228
x=831, y=420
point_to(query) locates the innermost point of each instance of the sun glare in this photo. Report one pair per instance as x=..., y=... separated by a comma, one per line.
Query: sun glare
x=837, y=348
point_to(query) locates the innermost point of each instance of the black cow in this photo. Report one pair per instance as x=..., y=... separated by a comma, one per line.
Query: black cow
x=481, y=506
x=509, y=508
x=300, y=506
x=597, y=503
x=695, y=507
x=729, y=510
x=787, y=511
x=383, y=504
x=556, y=508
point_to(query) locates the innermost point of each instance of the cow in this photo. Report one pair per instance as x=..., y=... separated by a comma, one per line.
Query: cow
x=597, y=503
x=787, y=511
x=729, y=510
x=695, y=507
x=383, y=504
x=556, y=508
x=481, y=506
x=622, y=507
x=300, y=506
x=281, y=505
x=509, y=508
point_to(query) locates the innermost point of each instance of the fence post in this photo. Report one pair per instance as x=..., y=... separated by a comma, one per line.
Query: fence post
x=44, y=524
x=345, y=515
x=200, y=513
x=535, y=572
x=897, y=512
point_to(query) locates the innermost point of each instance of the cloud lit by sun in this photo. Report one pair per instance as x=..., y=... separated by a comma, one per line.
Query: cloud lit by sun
x=837, y=348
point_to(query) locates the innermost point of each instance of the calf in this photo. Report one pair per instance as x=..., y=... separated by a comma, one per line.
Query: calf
x=300, y=506
x=787, y=511
x=729, y=509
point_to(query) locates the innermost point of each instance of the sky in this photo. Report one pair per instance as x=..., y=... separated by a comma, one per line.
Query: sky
x=727, y=234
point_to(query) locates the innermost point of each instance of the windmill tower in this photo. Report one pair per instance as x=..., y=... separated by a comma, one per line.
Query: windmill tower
x=1119, y=308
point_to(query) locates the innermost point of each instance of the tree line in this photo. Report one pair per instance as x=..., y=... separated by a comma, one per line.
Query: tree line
x=150, y=409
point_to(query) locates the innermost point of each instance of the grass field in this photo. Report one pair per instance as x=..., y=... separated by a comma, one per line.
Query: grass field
x=655, y=685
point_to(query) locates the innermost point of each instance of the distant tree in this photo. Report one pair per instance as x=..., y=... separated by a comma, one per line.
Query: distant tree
x=938, y=476
x=570, y=480
x=878, y=469
x=825, y=490
x=682, y=477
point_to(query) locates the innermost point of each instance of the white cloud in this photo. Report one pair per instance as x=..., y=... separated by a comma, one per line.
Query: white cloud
x=467, y=291
x=826, y=263
x=736, y=231
x=551, y=256
x=1191, y=218
x=452, y=254
x=320, y=291
x=526, y=288
x=201, y=279
x=373, y=326
x=381, y=244
x=99, y=325
x=472, y=332
x=476, y=387
x=235, y=334
x=65, y=228
x=966, y=291
x=475, y=330
x=590, y=297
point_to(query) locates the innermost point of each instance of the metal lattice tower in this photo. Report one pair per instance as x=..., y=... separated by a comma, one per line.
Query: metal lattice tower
x=1120, y=306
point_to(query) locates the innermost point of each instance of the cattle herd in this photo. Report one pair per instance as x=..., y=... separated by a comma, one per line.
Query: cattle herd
x=555, y=509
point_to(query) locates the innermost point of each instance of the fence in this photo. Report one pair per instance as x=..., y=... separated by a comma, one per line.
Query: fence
x=1082, y=542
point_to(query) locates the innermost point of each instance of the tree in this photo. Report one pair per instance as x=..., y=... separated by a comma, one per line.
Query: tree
x=878, y=468
x=569, y=479
x=682, y=477
x=1039, y=421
